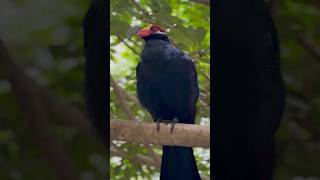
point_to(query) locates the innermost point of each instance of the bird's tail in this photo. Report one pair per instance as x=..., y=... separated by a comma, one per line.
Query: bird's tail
x=178, y=163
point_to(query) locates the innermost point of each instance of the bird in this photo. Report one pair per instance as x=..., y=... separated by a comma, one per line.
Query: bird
x=249, y=95
x=96, y=66
x=167, y=86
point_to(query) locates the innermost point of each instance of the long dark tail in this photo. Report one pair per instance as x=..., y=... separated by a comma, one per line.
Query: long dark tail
x=265, y=157
x=178, y=163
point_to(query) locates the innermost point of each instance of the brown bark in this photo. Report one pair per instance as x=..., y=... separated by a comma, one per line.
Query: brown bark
x=188, y=135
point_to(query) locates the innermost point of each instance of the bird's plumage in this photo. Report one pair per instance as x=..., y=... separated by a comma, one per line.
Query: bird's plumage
x=248, y=90
x=167, y=87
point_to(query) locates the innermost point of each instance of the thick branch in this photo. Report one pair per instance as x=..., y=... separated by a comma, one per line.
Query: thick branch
x=188, y=135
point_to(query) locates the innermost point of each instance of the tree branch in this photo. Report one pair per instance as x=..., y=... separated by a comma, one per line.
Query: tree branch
x=140, y=159
x=120, y=92
x=309, y=46
x=188, y=135
x=125, y=107
x=121, y=98
x=137, y=159
x=128, y=46
x=140, y=8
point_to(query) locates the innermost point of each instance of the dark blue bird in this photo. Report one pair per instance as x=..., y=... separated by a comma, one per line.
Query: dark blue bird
x=167, y=87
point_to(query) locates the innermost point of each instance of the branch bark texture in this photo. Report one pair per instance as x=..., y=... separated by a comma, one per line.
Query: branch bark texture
x=188, y=135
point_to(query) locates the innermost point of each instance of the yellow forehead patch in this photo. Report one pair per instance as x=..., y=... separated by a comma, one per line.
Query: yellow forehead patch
x=148, y=27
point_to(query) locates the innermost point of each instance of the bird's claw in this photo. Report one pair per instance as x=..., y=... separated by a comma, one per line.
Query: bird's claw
x=158, y=125
x=173, y=124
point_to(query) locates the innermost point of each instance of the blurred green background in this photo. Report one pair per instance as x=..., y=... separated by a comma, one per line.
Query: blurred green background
x=45, y=38
x=298, y=147
x=45, y=135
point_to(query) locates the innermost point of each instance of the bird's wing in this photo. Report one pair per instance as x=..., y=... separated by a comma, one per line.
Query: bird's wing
x=189, y=95
x=144, y=91
x=193, y=78
x=141, y=88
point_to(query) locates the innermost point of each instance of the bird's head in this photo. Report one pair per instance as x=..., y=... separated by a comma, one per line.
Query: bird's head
x=151, y=29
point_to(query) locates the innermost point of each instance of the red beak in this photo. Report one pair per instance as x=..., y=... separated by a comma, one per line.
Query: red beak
x=143, y=33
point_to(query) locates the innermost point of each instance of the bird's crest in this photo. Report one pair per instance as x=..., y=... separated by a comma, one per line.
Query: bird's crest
x=150, y=29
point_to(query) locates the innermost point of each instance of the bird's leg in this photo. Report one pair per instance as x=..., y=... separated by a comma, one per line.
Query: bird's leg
x=158, y=124
x=175, y=120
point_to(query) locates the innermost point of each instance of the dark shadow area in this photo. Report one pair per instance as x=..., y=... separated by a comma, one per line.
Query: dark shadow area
x=247, y=89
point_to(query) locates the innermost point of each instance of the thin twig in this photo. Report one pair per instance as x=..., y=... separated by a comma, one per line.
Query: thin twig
x=309, y=46
x=138, y=159
x=121, y=99
x=125, y=107
x=128, y=46
x=205, y=76
x=131, y=97
x=140, y=8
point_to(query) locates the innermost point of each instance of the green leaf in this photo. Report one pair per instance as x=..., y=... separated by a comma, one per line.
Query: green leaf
x=160, y=6
x=166, y=20
x=118, y=27
x=199, y=35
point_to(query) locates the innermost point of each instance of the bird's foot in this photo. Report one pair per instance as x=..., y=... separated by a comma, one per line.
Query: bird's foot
x=175, y=120
x=158, y=125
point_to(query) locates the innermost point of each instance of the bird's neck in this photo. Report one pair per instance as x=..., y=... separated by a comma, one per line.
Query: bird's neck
x=161, y=37
x=157, y=40
x=155, y=51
